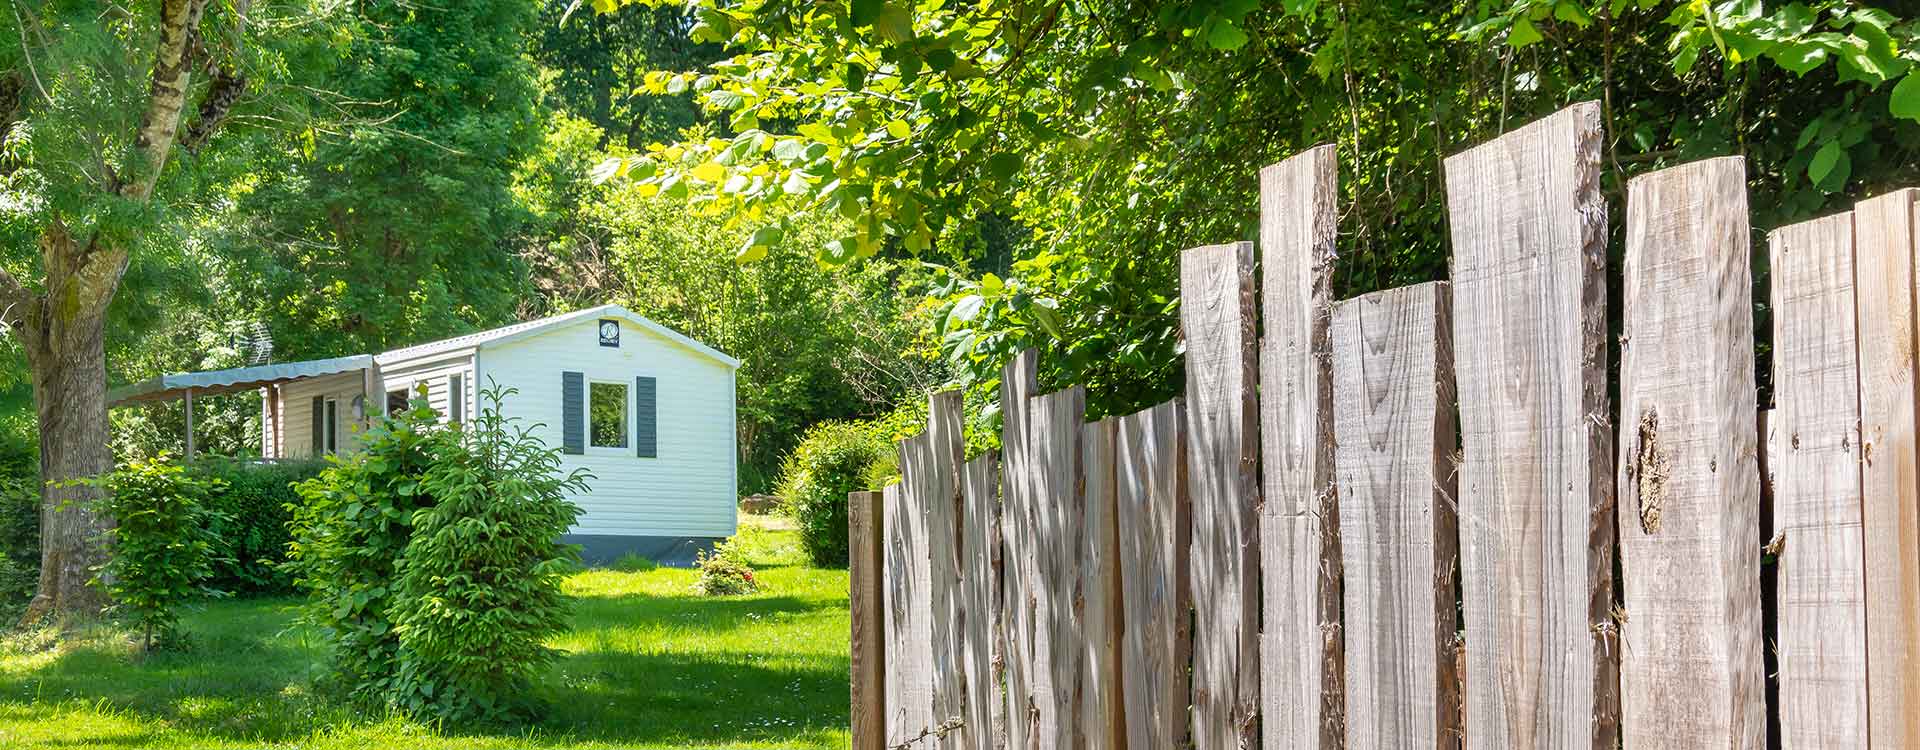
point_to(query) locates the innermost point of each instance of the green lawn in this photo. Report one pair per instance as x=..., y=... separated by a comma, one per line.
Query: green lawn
x=648, y=664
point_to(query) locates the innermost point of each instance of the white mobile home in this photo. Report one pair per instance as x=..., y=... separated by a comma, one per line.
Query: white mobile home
x=648, y=411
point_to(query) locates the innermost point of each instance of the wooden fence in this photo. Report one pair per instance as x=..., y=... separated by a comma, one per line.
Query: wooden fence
x=1392, y=521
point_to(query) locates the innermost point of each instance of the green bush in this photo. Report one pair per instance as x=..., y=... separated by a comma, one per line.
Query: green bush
x=251, y=522
x=19, y=543
x=725, y=572
x=830, y=461
x=162, y=543
x=354, y=521
x=478, y=586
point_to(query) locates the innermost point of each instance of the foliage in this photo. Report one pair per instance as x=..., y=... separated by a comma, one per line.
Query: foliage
x=830, y=461
x=593, y=66
x=477, y=590
x=19, y=525
x=252, y=512
x=1097, y=139
x=162, y=543
x=724, y=572
x=352, y=526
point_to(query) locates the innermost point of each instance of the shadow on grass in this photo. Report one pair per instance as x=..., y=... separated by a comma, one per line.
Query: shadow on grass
x=642, y=669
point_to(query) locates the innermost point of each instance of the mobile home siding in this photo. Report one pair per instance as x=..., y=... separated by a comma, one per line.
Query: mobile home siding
x=297, y=418
x=689, y=488
x=435, y=372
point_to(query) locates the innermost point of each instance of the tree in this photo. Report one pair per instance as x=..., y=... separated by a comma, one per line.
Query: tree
x=109, y=124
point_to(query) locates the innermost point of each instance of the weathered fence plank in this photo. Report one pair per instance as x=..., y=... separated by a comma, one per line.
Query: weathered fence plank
x=1889, y=477
x=1217, y=318
x=1156, y=526
x=909, y=643
x=1102, y=703
x=1689, y=481
x=1043, y=516
x=866, y=600
x=1529, y=282
x=1019, y=623
x=1300, y=543
x=979, y=611
x=1394, y=466
x=933, y=484
x=1816, y=489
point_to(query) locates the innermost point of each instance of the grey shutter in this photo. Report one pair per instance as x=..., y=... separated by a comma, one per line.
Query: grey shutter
x=645, y=418
x=456, y=399
x=573, y=412
x=319, y=426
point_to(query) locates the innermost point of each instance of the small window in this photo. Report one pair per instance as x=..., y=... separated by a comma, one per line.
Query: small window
x=607, y=415
x=456, y=398
x=396, y=401
x=330, y=427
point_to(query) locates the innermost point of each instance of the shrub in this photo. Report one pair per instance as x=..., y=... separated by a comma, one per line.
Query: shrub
x=478, y=586
x=162, y=543
x=830, y=461
x=353, y=522
x=725, y=572
x=251, y=522
x=19, y=543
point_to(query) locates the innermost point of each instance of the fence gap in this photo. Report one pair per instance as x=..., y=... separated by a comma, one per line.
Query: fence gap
x=1689, y=479
x=1394, y=467
x=1816, y=489
x=1529, y=284
x=1216, y=317
x=1300, y=540
x=1156, y=526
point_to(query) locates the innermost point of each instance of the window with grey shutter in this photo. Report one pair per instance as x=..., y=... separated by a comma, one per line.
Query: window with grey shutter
x=319, y=426
x=645, y=418
x=456, y=399
x=573, y=412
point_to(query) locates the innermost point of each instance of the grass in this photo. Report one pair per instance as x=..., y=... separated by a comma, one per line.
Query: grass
x=648, y=664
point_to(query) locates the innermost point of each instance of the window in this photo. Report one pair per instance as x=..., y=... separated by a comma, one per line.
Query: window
x=607, y=415
x=330, y=427
x=456, y=399
x=396, y=401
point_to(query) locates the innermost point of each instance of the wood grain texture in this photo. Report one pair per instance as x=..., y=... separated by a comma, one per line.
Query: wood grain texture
x=1394, y=435
x=1529, y=287
x=1043, y=516
x=1156, y=528
x=909, y=641
x=1018, y=576
x=979, y=611
x=1816, y=487
x=1217, y=321
x=1103, y=706
x=1689, y=478
x=933, y=485
x=1883, y=233
x=866, y=604
x=1300, y=556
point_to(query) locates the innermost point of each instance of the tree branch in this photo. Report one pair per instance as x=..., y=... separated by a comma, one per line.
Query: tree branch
x=226, y=89
x=167, y=95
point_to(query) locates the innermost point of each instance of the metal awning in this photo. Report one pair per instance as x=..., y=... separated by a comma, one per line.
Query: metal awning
x=180, y=385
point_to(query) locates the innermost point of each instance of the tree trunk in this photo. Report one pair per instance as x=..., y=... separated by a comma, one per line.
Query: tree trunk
x=69, y=389
x=62, y=331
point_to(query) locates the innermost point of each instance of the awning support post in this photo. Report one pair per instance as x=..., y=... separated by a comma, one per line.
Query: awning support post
x=189, y=425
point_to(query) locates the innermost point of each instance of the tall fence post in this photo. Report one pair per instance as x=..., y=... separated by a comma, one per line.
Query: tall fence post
x=1883, y=231
x=1301, y=654
x=1394, y=467
x=1102, y=700
x=1530, y=328
x=980, y=611
x=909, y=648
x=1816, y=486
x=933, y=488
x=866, y=605
x=1217, y=318
x=1689, y=479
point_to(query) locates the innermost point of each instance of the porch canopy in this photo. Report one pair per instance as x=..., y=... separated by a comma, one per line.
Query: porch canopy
x=192, y=384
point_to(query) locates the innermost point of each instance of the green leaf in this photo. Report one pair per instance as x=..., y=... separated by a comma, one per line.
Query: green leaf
x=991, y=284
x=756, y=245
x=1906, y=97
x=895, y=23
x=1226, y=35
x=725, y=99
x=1798, y=57
x=677, y=85
x=1572, y=13
x=1824, y=161
x=965, y=310
x=863, y=12
x=1523, y=34
x=899, y=129
x=789, y=149
x=1004, y=165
